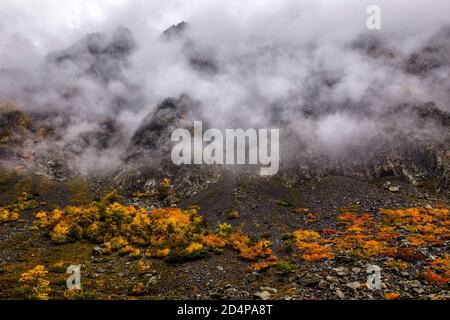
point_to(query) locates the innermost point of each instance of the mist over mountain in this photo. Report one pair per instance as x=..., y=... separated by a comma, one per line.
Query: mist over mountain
x=347, y=100
x=94, y=203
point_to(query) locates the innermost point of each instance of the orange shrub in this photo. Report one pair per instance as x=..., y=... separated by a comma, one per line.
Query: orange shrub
x=214, y=241
x=392, y=295
x=311, y=246
x=261, y=249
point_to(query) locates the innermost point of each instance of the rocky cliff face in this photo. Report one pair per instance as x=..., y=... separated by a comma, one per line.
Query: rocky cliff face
x=420, y=156
x=411, y=141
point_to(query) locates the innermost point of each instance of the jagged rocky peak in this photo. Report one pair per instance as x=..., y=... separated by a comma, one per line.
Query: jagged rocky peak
x=119, y=44
x=155, y=130
x=148, y=157
x=435, y=54
x=373, y=46
x=200, y=59
x=176, y=30
x=100, y=55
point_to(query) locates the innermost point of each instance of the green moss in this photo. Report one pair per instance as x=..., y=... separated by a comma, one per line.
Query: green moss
x=81, y=190
x=283, y=203
x=287, y=236
x=44, y=186
x=285, y=268
x=12, y=185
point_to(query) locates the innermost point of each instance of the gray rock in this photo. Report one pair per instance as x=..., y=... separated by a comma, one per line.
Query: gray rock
x=309, y=280
x=419, y=290
x=263, y=295
x=97, y=251
x=340, y=294
x=152, y=281
x=341, y=271
x=269, y=289
x=353, y=285
x=414, y=284
x=323, y=284
x=394, y=189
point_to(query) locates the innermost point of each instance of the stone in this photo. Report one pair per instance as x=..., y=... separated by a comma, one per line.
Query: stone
x=353, y=285
x=415, y=284
x=356, y=270
x=340, y=294
x=152, y=281
x=97, y=251
x=341, y=271
x=394, y=189
x=310, y=280
x=323, y=284
x=269, y=289
x=263, y=295
x=419, y=290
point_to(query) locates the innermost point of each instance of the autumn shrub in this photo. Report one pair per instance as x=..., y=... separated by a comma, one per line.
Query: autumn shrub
x=194, y=249
x=358, y=236
x=79, y=294
x=406, y=254
x=392, y=295
x=311, y=246
x=166, y=232
x=263, y=265
x=233, y=214
x=396, y=264
x=165, y=189
x=390, y=233
x=25, y=202
x=252, y=251
x=8, y=215
x=365, y=235
x=13, y=212
x=123, y=228
x=142, y=266
x=214, y=241
x=34, y=285
x=424, y=226
x=58, y=267
x=438, y=271
x=249, y=249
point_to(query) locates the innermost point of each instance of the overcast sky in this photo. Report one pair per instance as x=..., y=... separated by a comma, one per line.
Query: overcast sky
x=60, y=18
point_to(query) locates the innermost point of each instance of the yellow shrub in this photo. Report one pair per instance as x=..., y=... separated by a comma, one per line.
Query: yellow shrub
x=162, y=231
x=34, y=282
x=60, y=232
x=8, y=216
x=194, y=247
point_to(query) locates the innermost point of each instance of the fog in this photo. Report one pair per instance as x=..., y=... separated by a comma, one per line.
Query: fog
x=310, y=67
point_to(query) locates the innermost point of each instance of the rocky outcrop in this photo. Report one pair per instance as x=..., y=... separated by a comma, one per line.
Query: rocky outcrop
x=99, y=55
x=432, y=56
x=420, y=154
